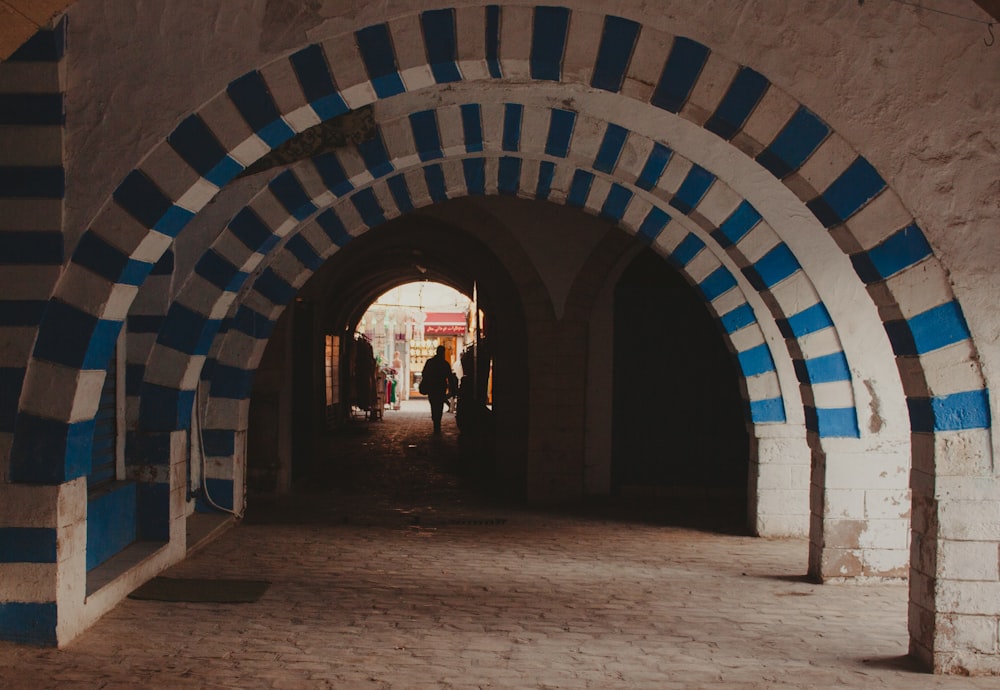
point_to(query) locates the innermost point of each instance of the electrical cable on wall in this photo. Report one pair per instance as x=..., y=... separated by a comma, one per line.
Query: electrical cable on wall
x=953, y=15
x=204, y=465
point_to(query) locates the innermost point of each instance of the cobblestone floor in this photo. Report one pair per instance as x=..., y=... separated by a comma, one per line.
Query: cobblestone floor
x=386, y=572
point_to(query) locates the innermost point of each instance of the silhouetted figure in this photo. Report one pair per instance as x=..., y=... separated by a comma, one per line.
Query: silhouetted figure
x=434, y=384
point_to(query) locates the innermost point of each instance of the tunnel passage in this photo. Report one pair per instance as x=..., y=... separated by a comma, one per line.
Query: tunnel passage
x=294, y=425
x=673, y=374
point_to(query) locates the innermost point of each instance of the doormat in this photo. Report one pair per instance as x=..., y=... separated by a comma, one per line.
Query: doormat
x=197, y=590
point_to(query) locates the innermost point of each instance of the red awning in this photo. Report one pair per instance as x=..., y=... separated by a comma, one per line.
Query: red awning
x=444, y=323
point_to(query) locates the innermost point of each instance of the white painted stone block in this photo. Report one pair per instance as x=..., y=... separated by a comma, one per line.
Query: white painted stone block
x=844, y=504
x=887, y=504
x=886, y=534
x=968, y=597
x=867, y=471
x=977, y=520
x=968, y=560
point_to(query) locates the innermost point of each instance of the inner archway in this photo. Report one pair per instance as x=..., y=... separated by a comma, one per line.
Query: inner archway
x=673, y=373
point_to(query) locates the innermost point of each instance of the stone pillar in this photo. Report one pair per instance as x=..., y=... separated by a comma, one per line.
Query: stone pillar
x=860, y=510
x=954, y=564
x=778, y=481
x=43, y=556
x=557, y=372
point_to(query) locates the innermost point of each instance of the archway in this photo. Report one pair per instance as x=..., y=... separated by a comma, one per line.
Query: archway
x=883, y=252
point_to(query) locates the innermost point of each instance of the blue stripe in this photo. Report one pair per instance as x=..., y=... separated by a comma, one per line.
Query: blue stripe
x=46, y=45
x=27, y=545
x=162, y=408
x=548, y=42
x=512, y=114
x=803, y=133
x=304, y=252
x=231, y=382
x=561, y=125
x=442, y=46
x=400, y=193
x=142, y=199
x=197, y=145
x=22, y=312
x=184, y=330
x=375, y=45
x=653, y=224
x=224, y=173
x=687, y=250
x=436, y=185
x=248, y=321
x=153, y=511
x=31, y=109
x=111, y=523
x=740, y=100
x=580, y=188
x=164, y=266
x=274, y=287
x=375, y=155
x=655, y=164
x=769, y=410
x=47, y=451
x=134, y=374
x=334, y=228
x=965, y=410
x=32, y=182
x=493, y=41
x=617, y=44
x=900, y=251
x=368, y=206
x=546, y=173
x=11, y=381
x=472, y=128
x=756, y=360
x=772, y=268
x=289, y=191
x=249, y=229
x=218, y=270
x=103, y=259
x=937, y=327
x=251, y=97
x=425, y=133
x=509, y=175
x=66, y=334
x=810, y=320
x=740, y=317
x=28, y=623
x=738, y=224
x=693, y=189
x=853, y=189
x=317, y=84
x=841, y=422
x=718, y=282
x=144, y=323
x=617, y=202
x=221, y=491
x=686, y=60
x=173, y=221
x=825, y=369
x=474, y=170
x=219, y=443
x=611, y=148
x=329, y=168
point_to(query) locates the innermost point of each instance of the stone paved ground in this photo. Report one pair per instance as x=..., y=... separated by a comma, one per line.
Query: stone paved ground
x=386, y=573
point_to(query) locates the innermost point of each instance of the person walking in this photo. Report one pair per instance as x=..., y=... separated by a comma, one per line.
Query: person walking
x=434, y=384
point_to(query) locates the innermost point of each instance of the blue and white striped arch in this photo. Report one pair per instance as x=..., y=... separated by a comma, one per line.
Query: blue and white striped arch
x=514, y=44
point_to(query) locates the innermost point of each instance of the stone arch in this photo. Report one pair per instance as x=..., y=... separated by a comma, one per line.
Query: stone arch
x=674, y=74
